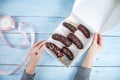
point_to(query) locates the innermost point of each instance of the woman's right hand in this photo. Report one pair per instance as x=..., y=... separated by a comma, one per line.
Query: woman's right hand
x=97, y=44
x=95, y=47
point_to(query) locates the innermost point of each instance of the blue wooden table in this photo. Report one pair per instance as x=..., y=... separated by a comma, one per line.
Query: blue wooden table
x=45, y=16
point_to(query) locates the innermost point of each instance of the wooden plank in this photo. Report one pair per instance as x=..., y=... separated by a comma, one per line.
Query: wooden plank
x=16, y=39
x=63, y=73
x=109, y=56
x=40, y=24
x=62, y=8
x=48, y=25
x=0, y=3
x=43, y=73
x=105, y=73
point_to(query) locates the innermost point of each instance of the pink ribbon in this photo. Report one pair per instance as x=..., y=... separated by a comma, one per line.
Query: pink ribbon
x=6, y=24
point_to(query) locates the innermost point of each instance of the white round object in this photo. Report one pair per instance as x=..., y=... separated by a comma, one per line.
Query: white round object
x=6, y=23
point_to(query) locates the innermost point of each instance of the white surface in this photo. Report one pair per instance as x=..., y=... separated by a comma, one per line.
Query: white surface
x=95, y=13
x=113, y=20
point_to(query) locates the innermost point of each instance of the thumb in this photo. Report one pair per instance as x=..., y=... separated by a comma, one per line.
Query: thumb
x=95, y=38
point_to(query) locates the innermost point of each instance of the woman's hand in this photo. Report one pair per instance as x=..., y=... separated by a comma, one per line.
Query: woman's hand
x=35, y=53
x=95, y=47
x=97, y=44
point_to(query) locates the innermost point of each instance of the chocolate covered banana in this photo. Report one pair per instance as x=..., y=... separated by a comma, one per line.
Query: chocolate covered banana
x=70, y=27
x=62, y=39
x=84, y=30
x=68, y=53
x=55, y=49
x=75, y=40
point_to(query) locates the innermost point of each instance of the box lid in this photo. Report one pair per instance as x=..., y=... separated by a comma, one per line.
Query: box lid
x=100, y=15
x=112, y=20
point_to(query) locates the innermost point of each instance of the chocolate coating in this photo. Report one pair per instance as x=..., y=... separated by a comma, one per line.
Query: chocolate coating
x=70, y=27
x=62, y=39
x=55, y=49
x=68, y=53
x=75, y=40
x=84, y=30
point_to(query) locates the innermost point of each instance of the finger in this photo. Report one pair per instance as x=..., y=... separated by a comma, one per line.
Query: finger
x=36, y=44
x=100, y=39
x=95, y=38
x=40, y=45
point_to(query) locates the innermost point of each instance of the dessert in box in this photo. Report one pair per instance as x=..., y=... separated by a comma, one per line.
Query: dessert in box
x=68, y=41
x=74, y=35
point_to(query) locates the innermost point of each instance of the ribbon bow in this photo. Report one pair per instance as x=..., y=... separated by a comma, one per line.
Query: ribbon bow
x=7, y=24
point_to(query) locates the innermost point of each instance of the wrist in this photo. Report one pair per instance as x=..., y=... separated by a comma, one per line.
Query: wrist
x=91, y=53
x=31, y=68
x=88, y=60
x=32, y=63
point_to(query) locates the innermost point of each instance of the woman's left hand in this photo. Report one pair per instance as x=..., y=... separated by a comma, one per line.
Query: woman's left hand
x=35, y=53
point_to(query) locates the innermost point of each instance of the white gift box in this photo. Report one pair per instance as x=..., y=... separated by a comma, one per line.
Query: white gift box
x=95, y=15
x=100, y=15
